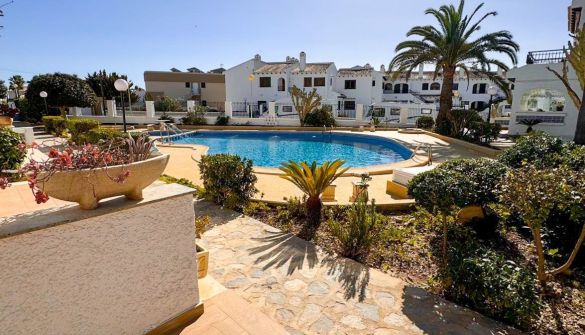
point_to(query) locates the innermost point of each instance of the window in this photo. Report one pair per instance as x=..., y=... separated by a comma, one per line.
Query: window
x=394, y=111
x=308, y=82
x=265, y=82
x=204, y=103
x=405, y=88
x=479, y=88
x=287, y=109
x=397, y=88
x=425, y=87
x=478, y=105
x=378, y=112
x=426, y=111
x=373, y=83
x=330, y=81
x=350, y=84
x=455, y=86
x=187, y=85
x=349, y=105
x=435, y=86
x=319, y=81
x=203, y=84
x=281, y=84
x=388, y=87
x=542, y=100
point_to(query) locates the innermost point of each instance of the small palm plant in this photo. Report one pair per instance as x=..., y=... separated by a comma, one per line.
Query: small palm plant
x=530, y=124
x=312, y=180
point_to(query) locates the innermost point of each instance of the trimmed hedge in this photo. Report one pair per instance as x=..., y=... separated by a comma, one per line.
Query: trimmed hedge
x=103, y=134
x=10, y=155
x=55, y=125
x=320, y=117
x=537, y=148
x=79, y=128
x=425, y=122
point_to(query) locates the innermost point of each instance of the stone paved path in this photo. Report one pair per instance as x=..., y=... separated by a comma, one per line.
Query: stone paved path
x=311, y=292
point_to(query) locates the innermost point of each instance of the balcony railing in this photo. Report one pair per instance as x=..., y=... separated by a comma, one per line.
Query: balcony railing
x=546, y=56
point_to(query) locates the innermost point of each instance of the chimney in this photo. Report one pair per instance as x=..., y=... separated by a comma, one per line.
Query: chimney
x=382, y=69
x=302, y=61
x=257, y=61
x=421, y=71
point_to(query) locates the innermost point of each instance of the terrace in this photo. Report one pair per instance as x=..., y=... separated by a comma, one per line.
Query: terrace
x=546, y=56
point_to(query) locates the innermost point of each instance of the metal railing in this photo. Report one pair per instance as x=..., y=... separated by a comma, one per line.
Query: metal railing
x=546, y=56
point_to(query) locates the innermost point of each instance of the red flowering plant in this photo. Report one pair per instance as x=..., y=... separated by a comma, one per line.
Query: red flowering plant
x=72, y=157
x=5, y=110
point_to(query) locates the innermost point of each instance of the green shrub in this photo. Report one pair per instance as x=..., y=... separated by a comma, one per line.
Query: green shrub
x=320, y=117
x=484, y=280
x=167, y=104
x=537, y=148
x=228, y=179
x=11, y=156
x=425, y=122
x=439, y=189
x=574, y=158
x=357, y=234
x=196, y=116
x=222, y=120
x=55, y=124
x=102, y=134
x=79, y=128
x=482, y=132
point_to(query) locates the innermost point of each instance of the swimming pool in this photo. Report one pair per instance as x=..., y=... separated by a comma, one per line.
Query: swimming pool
x=271, y=148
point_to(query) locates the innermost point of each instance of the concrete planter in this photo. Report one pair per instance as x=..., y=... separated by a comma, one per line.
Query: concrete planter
x=468, y=213
x=202, y=261
x=5, y=121
x=88, y=187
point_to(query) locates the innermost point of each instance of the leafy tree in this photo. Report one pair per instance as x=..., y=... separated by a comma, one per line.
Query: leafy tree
x=535, y=194
x=16, y=84
x=102, y=84
x=3, y=89
x=452, y=45
x=312, y=180
x=305, y=102
x=63, y=90
x=575, y=55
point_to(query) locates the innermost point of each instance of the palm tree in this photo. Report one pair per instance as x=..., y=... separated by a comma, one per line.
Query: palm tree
x=452, y=46
x=312, y=180
x=16, y=84
x=529, y=124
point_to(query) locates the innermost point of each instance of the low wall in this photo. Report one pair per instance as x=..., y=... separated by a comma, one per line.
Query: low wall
x=489, y=152
x=124, y=268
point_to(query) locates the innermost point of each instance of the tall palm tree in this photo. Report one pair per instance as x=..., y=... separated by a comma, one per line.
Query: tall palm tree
x=312, y=180
x=453, y=45
x=16, y=84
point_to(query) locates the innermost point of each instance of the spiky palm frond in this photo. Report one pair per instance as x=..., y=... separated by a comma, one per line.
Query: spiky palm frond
x=312, y=179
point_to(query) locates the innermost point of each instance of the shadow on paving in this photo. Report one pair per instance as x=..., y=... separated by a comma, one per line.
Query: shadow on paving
x=434, y=315
x=278, y=248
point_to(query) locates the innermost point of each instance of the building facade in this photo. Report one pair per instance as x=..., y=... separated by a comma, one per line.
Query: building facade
x=205, y=88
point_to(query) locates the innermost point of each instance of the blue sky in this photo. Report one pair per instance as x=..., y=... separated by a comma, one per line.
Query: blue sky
x=131, y=36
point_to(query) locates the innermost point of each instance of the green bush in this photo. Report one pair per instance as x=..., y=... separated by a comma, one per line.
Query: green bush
x=320, y=117
x=425, y=122
x=356, y=235
x=167, y=104
x=437, y=189
x=11, y=156
x=103, y=134
x=484, y=280
x=482, y=132
x=195, y=117
x=228, y=179
x=537, y=148
x=222, y=120
x=55, y=124
x=79, y=128
x=574, y=157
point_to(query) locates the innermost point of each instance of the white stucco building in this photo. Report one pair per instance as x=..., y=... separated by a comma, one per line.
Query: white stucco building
x=539, y=95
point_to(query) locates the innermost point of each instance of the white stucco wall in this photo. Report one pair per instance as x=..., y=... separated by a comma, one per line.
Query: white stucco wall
x=121, y=269
x=534, y=76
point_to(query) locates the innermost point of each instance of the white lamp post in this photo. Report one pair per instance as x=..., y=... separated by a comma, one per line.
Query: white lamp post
x=492, y=90
x=121, y=86
x=44, y=95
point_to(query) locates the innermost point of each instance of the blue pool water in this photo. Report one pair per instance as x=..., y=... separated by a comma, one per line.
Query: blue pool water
x=271, y=148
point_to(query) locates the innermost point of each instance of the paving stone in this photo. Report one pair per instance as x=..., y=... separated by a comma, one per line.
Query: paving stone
x=395, y=320
x=310, y=314
x=386, y=331
x=276, y=298
x=271, y=280
x=295, y=285
x=237, y=282
x=318, y=288
x=322, y=326
x=284, y=314
x=257, y=273
x=293, y=331
x=385, y=299
x=353, y=321
x=370, y=312
x=295, y=301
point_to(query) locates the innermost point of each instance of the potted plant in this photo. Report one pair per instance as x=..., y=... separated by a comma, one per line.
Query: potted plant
x=201, y=225
x=374, y=123
x=7, y=115
x=88, y=173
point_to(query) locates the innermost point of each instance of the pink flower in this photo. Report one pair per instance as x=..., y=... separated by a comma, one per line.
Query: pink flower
x=35, y=145
x=41, y=197
x=4, y=183
x=53, y=153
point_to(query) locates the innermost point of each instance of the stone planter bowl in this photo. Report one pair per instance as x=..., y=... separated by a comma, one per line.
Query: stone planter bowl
x=88, y=187
x=5, y=121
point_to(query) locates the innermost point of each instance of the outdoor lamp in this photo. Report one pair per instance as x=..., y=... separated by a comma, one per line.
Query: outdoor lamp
x=121, y=85
x=44, y=95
